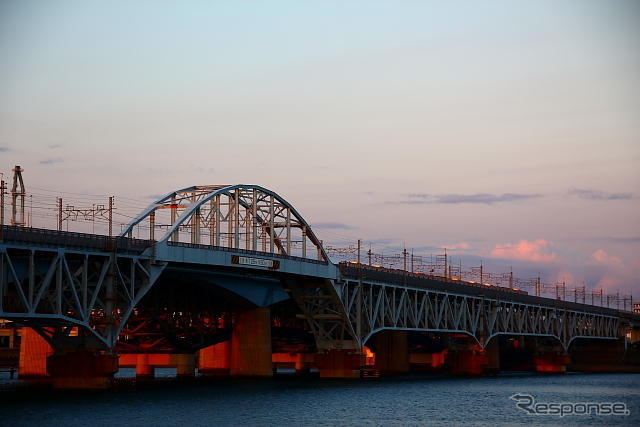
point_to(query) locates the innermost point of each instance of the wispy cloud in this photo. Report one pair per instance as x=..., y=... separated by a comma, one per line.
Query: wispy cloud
x=332, y=225
x=54, y=146
x=598, y=195
x=625, y=239
x=51, y=161
x=4, y=149
x=479, y=198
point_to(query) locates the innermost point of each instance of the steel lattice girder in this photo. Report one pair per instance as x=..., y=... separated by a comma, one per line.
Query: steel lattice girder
x=91, y=290
x=372, y=307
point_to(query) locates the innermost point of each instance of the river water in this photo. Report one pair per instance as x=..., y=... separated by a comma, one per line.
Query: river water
x=290, y=401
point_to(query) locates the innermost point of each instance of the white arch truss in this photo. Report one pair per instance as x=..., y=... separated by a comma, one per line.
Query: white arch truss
x=246, y=217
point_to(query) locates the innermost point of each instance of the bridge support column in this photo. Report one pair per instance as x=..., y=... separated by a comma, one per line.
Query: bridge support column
x=144, y=370
x=553, y=362
x=339, y=364
x=392, y=352
x=492, y=353
x=215, y=359
x=251, y=343
x=592, y=355
x=34, y=351
x=466, y=361
x=185, y=365
x=82, y=370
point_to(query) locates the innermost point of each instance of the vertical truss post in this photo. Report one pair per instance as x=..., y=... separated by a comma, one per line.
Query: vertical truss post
x=288, y=225
x=271, y=231
x=254, y=221
x=216, y=222
x=174, y=217
x=236, y=217
x=212, y=226
x=195, y=229
x=152, y=225
x=230, y=211
x=304, y=241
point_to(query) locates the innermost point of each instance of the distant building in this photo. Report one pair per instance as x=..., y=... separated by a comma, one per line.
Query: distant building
x=636, y=307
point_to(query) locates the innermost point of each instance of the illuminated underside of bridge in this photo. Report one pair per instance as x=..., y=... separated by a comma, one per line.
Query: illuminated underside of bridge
x=224, y=271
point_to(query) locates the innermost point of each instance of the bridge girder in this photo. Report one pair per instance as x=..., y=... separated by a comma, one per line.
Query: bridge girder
x=372, y=307
x=73, y=295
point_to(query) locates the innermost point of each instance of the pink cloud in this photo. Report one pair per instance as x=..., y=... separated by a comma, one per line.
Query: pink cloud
x=605, y=258
x=458, y=246
x=536, y=250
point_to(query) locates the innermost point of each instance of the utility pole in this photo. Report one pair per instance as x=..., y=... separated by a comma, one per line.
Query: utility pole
x=60, y=214
x=369, y=254
x=445, y=263
x=511, y=278
x=2, y=188
x=359, y=243
x=404, y=258
x=110, y=216
x=411, y=260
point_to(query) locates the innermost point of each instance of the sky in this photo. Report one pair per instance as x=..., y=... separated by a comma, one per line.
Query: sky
x=508, y=132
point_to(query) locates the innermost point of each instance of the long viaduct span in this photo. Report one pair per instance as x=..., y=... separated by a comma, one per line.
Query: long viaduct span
x=235, y=274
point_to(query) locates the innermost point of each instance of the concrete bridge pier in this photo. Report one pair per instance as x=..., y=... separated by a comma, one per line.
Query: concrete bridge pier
x=215, y=360
x=251, y=343
x=339, y=364
x=34, y=351
x=82, y=370
x=467, y=361
x=550, y=357
x=593, y=355
x=144, y=370
x=492, y=354
x=392, y=352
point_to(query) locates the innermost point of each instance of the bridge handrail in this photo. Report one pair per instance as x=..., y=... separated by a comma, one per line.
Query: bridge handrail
x=246, y=251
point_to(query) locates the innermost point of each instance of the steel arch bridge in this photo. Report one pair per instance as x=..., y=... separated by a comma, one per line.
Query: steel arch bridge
x=246, y=217
x=60, y=283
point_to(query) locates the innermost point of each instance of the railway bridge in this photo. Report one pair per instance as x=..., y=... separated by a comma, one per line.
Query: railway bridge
x=231, y=279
